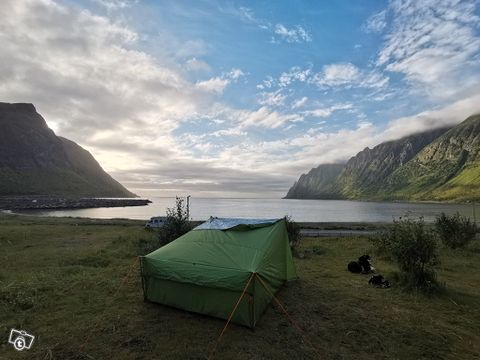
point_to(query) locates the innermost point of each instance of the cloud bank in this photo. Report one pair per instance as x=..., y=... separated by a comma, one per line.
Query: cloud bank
x=165, y=123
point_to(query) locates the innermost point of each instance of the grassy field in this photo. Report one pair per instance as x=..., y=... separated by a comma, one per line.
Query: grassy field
x=64, y=280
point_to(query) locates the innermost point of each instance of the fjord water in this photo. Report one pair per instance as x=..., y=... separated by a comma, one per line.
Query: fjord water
x=299, y=210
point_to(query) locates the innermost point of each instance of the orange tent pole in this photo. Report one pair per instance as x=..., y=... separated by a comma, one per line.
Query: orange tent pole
x=294, y=323
x=231, y=315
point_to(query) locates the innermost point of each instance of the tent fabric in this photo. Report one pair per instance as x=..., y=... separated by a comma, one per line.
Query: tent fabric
x=207, y=269
x=215, y=223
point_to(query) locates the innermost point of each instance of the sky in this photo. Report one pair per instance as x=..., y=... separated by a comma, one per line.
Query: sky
x=238, y=98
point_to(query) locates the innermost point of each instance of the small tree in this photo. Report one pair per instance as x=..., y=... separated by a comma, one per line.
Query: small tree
x=412, y=245
x=455, y=231
x=176, y=224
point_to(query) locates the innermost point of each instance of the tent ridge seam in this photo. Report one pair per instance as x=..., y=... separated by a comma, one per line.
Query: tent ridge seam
x=202, y=264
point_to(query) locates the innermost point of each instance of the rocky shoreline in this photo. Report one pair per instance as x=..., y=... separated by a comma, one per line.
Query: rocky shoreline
x=56, y=203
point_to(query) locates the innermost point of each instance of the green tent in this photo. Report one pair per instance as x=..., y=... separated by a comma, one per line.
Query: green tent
x=208, y=269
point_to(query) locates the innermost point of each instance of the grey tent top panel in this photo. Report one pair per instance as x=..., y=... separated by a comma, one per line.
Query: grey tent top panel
x=215, y=223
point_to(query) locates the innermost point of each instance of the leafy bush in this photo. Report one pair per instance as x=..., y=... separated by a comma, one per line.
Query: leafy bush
x=381, y=245
x=412, y=245
x=176, y=224
x=455, y=231
x=293, y=230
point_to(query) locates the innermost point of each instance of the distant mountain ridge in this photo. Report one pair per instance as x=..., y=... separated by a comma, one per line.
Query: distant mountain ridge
x=436, y=165
x=317, y=184
x=446, y=169
x=34, y=161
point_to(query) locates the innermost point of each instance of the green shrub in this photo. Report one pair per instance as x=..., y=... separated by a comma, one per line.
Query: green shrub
x=412, y=245
x=176, y=224
x=455, y=231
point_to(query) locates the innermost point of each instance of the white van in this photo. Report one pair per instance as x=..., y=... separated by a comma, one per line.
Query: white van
x=156, y=222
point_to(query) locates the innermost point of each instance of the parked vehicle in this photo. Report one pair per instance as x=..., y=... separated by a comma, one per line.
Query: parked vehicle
x=156, y=222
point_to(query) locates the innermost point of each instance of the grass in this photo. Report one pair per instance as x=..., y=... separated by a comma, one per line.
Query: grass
x=463, y=187
x=64, y=281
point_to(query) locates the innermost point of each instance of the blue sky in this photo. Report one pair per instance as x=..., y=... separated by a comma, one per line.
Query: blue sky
x=238, y=98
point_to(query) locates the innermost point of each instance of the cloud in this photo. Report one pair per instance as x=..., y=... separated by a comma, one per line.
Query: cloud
x=348, y=75
x=216, y=84
x=344, y=75
x=267, y=118
x=219, y=83
x=274, y=98
x=326, y=112
x=234, y=74
x=185, y=49
x=299, y=102
x=88, y=72
x=435, y=45
x=296, y=73
x=445, y=116
x=339, y=74
x=247, y=14
x=282, y=159
x=122, y=104
x=267, y=83
x=153, y=127
x=196, y=65
x=296, y=34
x=376, y=23
x=229, y=132
x=318, y=147
x=324, y=147
x=116, y=4
x=270, y=167
x=288, y=157
x=187, y=178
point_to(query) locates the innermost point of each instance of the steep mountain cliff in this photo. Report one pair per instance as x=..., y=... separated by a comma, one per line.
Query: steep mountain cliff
x=365, y=174
x=318, y=183
x=446, y=169
x=34, y=161
x=441, y=164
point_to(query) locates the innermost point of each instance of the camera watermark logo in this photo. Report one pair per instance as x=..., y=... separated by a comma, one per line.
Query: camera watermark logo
x=20, y=339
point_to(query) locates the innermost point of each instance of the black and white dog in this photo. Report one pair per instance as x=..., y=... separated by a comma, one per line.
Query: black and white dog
x=363, y=265
x=378, y=281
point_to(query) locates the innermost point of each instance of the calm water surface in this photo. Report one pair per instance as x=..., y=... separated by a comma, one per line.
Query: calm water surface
x=299, y=210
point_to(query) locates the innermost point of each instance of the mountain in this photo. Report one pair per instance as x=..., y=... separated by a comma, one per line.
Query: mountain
x=34, y=161
x=436, y=165
x=318, y=183
x=448, y=169
x=365, y=174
